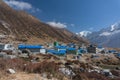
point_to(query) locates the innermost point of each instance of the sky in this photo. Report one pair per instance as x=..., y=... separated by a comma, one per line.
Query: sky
x=75, y=15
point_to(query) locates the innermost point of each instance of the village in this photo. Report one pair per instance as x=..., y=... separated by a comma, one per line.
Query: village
x=59, y=40
x=70, y=59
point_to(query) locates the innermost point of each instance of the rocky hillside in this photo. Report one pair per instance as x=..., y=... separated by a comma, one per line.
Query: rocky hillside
x=25, y=27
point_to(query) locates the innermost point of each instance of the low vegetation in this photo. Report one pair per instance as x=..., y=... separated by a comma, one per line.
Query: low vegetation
x=51, y=69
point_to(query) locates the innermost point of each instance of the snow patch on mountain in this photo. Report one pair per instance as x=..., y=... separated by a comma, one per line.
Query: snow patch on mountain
x=112, y=27
x=115, y=26
x=105, y=34
x=110, y=33
x=84, y=33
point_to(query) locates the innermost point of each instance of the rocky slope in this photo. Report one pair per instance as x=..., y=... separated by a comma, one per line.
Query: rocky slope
x=24, y=27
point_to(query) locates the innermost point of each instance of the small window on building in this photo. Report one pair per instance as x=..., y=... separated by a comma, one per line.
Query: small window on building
x=9, y=46
x=2, y=47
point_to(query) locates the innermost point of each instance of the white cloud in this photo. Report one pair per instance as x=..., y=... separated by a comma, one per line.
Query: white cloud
x=57, y=24
x=21, y=5
x=72, y=25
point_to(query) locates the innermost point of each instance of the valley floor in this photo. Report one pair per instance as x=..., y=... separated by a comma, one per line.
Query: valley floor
x=51, y=67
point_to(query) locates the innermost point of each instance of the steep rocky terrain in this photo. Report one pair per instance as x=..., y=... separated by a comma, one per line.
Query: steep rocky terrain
x=24, y=27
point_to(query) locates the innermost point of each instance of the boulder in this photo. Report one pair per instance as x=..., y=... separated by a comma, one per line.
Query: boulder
x=11, y=71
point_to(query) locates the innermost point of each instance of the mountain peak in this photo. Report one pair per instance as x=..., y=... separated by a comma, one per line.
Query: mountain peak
x=84, y=33
x=115, y=26
x=108, y=37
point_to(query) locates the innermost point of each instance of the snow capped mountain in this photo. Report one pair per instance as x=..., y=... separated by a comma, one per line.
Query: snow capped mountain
x=115, y=26
x=109, y=37
x=84, y=33
x=112, y=30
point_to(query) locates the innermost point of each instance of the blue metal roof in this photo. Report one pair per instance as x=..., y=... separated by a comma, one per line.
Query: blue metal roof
x=61, y=52
x=23, y=46
x=70, y=48
x=82, y=50
x=61, y=47
x=51, y=51
x=118, y=55
x=112, y=51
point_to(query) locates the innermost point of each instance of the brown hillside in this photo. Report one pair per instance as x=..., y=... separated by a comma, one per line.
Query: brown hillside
x=24, y=26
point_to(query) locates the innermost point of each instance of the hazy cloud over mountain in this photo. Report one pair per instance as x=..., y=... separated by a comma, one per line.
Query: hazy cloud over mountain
x=21, y=5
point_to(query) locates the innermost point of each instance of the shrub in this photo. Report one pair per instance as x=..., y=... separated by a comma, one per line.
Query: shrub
x=115, y=72
x=17, y=64
x=44, y=66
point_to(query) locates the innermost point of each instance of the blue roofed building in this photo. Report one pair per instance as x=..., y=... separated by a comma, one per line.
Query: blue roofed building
x=82, y=51
x=59, y=48
x=118, y=55
x=71, y=50
x=32, y=48
x=112, y=51
x=55, y=52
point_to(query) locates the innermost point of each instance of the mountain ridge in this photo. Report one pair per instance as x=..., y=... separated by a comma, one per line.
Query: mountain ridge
x=108, y=37
x=23, y=25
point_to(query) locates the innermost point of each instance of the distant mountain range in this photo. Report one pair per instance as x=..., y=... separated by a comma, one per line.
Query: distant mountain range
x=108, y=37
x=23, y=26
